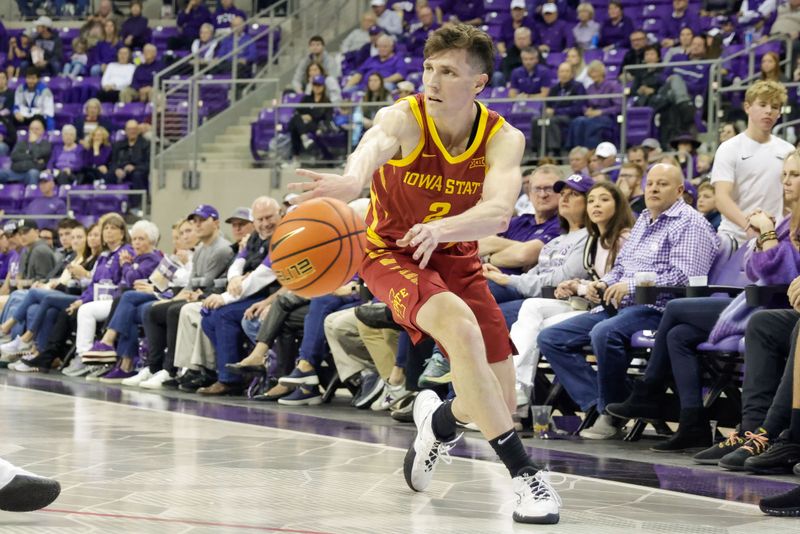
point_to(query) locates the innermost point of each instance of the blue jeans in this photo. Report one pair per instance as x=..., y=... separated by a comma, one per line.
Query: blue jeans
x=126, y=321
x=561, y=344
x=589, y=132
x=30, y=177
x=42, y=323
x=223, y=328
x=73, y=68
x=251, y=327
x=312, y=349
x=509, y=299
x=14, y=307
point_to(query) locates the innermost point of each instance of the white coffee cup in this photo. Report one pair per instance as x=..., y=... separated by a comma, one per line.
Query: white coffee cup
x=645, y=278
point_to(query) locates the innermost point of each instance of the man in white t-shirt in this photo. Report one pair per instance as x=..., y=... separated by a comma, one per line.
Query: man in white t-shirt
x=747, y=168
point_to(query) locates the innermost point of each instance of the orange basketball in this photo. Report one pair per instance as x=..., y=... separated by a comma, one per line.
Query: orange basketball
x=318, y=247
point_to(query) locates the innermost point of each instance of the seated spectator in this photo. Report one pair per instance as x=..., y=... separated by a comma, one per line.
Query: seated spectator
x=637, y=154
x=206, y=44
x=604, y=159
x=49, y=42
x=404, y=89
x=359, y=37
x=37, y=258
x=553, y=34
x=616, y=29
x=316, y=54
x=354, y=60
x=787, y=21
x=134, y=31
x=117, y=76
x=681, y=18
x=67, y=160
x=418, y=33
x=686, y=147
x=609, y=221
x=580, y=71
x=97, y=151
x=190, y=18
x=519, y=246
x=306, y=121
x=46, y=204
x=519, y=18
x=670, y=239
x=388, y=64
x=78, y=60
x=707, y=205
x=33, y=99
x=729, y=34
x=376, y=92
x=771, y=68
x=680, y=51
x=712, y=8
x=105, y=50
x=728, y=130
x=466, y=11
x=531, y=79
x=586, y=32
x=647, y=82
x=746, y=171
x=29, y=157
x=559, y=113
x=106, y=11
x=245, y=55
x=629, y=181
x=388, y=19
x=579, y=160
x=224, y=14
x=599, y=113
x=130, y=158
x=142, y=82
x=91, y=119
x=332, y=88
x=7, y=130
x=635, y=54
x=19, y=53
x=513, y=58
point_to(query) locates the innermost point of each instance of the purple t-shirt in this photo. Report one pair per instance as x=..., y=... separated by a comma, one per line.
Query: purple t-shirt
x=393, y=65
x=531, y=83
x=525, y=228
x=46, y=206
x=67, y=159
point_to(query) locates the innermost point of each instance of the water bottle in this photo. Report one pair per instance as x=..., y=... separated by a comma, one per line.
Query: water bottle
x=358, y=124
x=748, y=38
x=595, y=40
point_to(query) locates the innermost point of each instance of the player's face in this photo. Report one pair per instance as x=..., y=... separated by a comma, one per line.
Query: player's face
x=763, y=114
x=791, y=179
x=600, y=206
x=451, y=83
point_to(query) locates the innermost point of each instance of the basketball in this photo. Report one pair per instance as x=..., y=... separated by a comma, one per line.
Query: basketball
x=318, y=247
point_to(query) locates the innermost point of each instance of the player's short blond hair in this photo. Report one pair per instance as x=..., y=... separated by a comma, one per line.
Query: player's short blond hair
x=767, y=90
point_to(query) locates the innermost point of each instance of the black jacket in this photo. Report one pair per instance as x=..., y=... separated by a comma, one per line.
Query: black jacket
x=138, y=155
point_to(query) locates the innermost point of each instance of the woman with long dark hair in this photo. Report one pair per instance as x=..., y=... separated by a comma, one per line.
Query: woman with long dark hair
x=306, y=121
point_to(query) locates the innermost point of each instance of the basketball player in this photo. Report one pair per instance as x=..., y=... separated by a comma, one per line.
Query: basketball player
x=21, y=491
x=445, y=171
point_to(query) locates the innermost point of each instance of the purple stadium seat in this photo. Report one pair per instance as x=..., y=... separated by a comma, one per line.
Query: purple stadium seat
x=493, y=30
x=11, y=197
x=639, y=121
x=100, y=204
x=58, y=85
x=497, y=5
x=32, y=191
x=161, y=35
x=494, y=18
x=77, y=203
x=591, y=55
x=119, y=135
x=614, y=56
x=654, y=11
x=413, y=64
x=5, y=162
x=67, y=113
x=83, y=89
x=554, y=59
x=22, y=135
x=652, y=26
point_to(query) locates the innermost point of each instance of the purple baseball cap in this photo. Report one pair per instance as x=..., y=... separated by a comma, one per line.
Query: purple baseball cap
x=204, y=211
x=318, y=80
x=375, y=30
x=46, y=176
x=576, y=182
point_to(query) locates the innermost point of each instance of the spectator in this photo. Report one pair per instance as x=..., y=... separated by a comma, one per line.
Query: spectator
x=241, y=221
x=580, y=71
x=519, y=18
x=629, y=181
x=50, y=43
x=728, y=31
x=91, y=119
x=527, y=234
x=695, y=76
x=142, y=82
x=367, y=51
x=117, y=76
x=67, y=160
x=604, y=159
x=680, y=19
x=669, y=238
x=787, y=21
x=513, y=59
x=106, y=50
x=647, y=82
x=615, y=30
x=29, y=157
x=376, y=92
x=531, y=79
x=5, y=254
x=245, y=57
x=130, y=158
x=680, y=51
x=637, y=154
x=728, y=130
x=418, y=33
x=635, y=55
x=553, y=34
x=388, y=64
x=7, y=134
x=600, y=113
x=38, y=258
x=404, y=89
x=332, y=88
x=78, y=60
x=190, y=18
x=388, y=19
x=712, y=8
x=465, y=11
x=33, y=99
x=586, y=32
x=686, y=147
x=106, y=11
x=359, y=37
x=19, y=52
x=206, y=44
x=559, y=113
x=316, y=54
x=771, y=68
x=134, y=32
x=46, y=204
x=746, y=171
x=224, y=14
x=707, y=205
x=579, y=160
x=306, y=121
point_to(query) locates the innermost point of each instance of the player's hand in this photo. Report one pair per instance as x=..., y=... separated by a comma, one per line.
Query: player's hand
x=425, y=238
x=345, y=188
x=615, y=293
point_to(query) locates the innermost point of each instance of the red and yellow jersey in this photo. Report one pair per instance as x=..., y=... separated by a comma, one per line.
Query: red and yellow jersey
x=428, y=183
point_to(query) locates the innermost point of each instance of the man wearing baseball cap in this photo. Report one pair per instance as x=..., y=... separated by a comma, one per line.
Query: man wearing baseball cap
x=605, y=160
x=49, y=41
x=38, y=259
x=241, y=221
x=48, y=203
x=210, y=260
x=388, y=19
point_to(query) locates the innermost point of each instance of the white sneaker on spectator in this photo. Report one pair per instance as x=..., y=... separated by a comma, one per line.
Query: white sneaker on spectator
x=22, y=366
x=390, y=396
x=155, y=381
x=603, y=428
x=537, y=501
x=76, y=368
x=138, y=378
x=15, y=346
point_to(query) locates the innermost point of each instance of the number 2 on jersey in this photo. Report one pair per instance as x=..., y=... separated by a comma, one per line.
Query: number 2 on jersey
x=437, y=211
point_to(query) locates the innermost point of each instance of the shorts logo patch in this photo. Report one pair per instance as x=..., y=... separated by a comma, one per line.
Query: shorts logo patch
x=397, y=297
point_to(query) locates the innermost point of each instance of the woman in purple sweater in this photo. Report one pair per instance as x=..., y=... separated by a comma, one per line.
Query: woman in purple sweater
x=599, y=113
x=688, y=322
x=67, y=160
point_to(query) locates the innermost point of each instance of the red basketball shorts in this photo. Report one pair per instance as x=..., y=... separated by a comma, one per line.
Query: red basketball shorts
x=395, y=278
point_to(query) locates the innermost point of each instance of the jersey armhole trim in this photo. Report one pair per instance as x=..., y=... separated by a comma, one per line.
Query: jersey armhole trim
x=409, y=159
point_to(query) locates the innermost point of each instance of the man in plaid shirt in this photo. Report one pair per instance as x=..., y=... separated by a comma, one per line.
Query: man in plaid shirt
x=671, y=239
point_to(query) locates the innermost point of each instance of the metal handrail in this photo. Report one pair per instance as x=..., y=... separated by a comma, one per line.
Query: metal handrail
x=104, y=192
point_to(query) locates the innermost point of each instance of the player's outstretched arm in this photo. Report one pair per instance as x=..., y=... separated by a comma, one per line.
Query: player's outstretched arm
x=492, y=214
x=379, y=144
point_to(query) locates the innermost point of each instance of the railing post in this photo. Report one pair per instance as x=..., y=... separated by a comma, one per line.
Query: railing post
x=623, y=129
